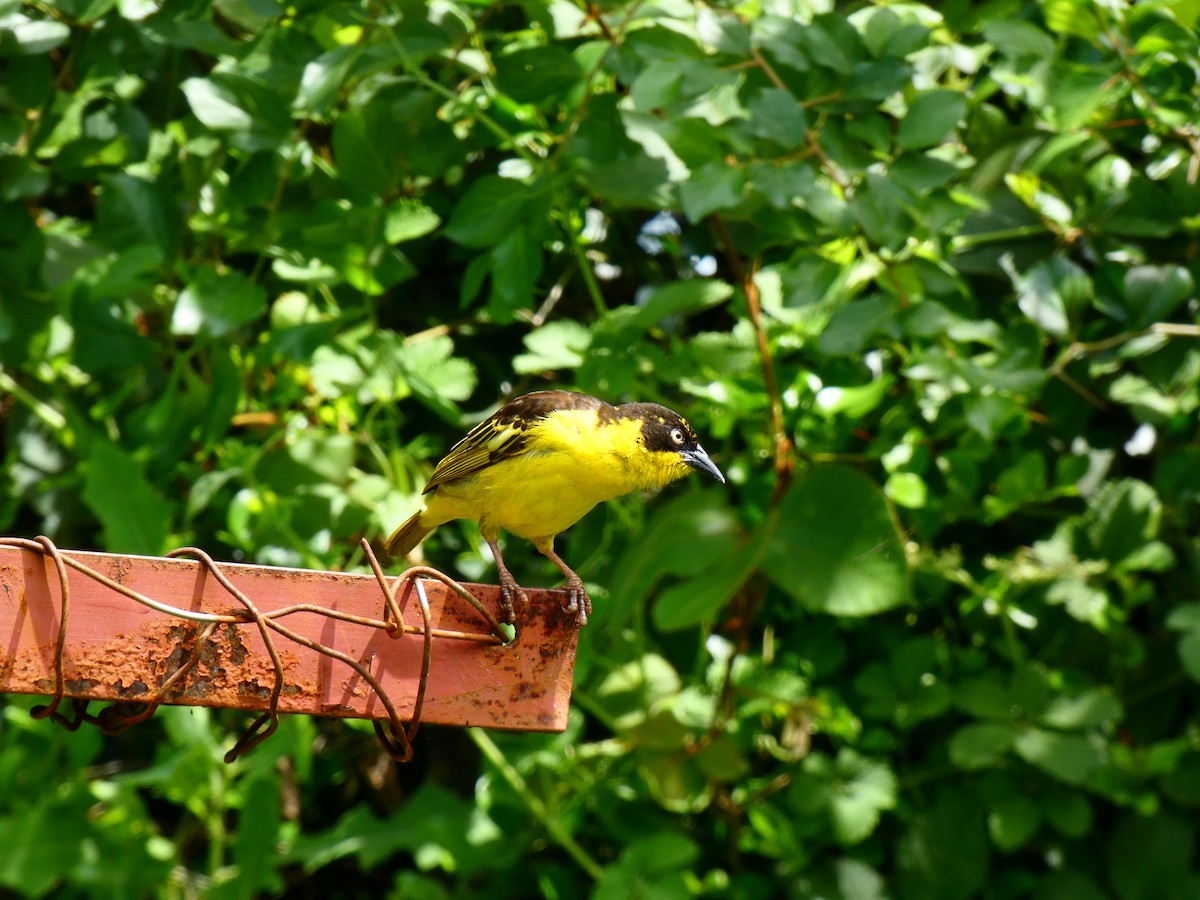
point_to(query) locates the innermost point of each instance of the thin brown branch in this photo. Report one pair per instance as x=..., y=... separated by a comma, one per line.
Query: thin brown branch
x=785, y=461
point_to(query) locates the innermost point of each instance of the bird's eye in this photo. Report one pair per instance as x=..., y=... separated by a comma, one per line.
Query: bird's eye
x=677, y=435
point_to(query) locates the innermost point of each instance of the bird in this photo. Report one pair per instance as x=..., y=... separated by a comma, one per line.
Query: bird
x=540, y=463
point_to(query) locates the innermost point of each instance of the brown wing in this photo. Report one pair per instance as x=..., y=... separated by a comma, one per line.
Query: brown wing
x=503, y=434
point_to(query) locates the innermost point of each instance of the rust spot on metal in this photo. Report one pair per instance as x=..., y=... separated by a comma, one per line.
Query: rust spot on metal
x=137, y=689
x=237, y=650
x=201, y=687
x=253, y=689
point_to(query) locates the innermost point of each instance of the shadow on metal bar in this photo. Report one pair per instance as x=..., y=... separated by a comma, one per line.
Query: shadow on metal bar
x=396, y=736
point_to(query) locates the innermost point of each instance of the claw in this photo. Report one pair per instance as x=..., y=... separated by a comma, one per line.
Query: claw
x=510, y=592
x=578, y=601
x=510, y=595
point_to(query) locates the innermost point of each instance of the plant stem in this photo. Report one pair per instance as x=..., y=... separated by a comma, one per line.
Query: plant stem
x=50, y=416
x=554, y=826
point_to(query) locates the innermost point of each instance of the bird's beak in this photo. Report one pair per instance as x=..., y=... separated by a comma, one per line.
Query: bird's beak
x=699, y=461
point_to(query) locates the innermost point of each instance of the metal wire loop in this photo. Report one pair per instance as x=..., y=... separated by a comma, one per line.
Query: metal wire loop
x=395, y=734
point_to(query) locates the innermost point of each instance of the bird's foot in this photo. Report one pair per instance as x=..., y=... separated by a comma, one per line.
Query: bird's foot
x=510, y=595
x=578, y=601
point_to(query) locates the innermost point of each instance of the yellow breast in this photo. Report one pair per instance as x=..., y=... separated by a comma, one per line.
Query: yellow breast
x=571, y=463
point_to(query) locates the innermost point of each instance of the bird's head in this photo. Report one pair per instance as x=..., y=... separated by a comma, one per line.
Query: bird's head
x=667, y=444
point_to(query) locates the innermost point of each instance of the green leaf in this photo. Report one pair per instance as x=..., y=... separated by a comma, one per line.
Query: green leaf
x=656, y=86
x=835, y=547
x=1189, y=654
x=1069, y=812
x=1152, y=856
x=685, y=536
x=1018, y=38
x=679, y=298
x=833, y=43
x=20, y=178
x=222, y=395
x=134, y=211
x=711, y=188
x=1182, y=784
x=648, y=132
x=1084, y=710
x=39, y=837
x=134, y=517
x=1070, y=758
x=555, y=345
x=853, y=325
x=1013, y=820
x=988, y=414
x=944, y=852
x=253, y=846
x=1041, y=198
x=722, y=32
x=879, y=208
x=433, y=370
x=907, y=489
x=930, y=118
x=1020, y=484
x=697, y=600
x=323, y=78
x=366, y=148
x=214, y=305
x=627, y=692
x=537, y=74
x=32, y=36
x=718, y=105
x=986, y=697
x=438, y=827
x=216, y=105
x=409, y=219
x=723, y=761
x=1077, y=95
x=307, y=460
x=777, y=116
x=854, y=403
x=1154, y=293
x=489, y=211
x=853, y=789
x=1050, y=293
x=1122, y=517
x=1185, y=617
x=982, y=745
x=679, y=789
x=1071, y=17
x=655, y=867
x=1083, y=601
x=516, y=268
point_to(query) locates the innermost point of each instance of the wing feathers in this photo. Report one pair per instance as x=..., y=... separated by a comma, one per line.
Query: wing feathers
x=503, y=434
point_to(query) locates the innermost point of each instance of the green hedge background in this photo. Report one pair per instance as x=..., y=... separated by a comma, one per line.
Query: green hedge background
x=923, y=277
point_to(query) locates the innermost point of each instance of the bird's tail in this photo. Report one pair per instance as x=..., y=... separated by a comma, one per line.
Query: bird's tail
x=406, y=537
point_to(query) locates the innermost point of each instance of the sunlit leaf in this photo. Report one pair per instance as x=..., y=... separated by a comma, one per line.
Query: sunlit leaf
x=835, y=547
x=930, y=118
x=133, y=514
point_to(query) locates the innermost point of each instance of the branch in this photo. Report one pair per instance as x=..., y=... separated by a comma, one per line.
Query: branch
x=785, y=462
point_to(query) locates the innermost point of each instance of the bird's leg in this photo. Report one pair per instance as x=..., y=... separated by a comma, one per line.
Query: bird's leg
x=510, y=591
x=578, y=600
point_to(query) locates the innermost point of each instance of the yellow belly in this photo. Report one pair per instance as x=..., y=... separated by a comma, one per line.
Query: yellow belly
x=533, y=495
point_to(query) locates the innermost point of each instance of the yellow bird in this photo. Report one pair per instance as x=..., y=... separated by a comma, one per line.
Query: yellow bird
x=540, y=463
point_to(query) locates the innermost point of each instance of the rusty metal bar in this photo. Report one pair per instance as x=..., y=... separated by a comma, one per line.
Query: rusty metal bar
x=86, y=641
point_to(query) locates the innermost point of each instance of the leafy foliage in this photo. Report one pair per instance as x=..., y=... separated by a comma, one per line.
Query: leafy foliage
x=923, y=276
